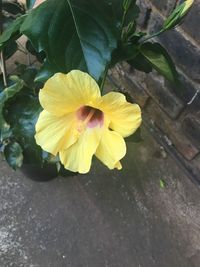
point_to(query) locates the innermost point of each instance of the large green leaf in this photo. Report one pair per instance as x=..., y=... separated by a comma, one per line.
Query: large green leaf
x=10, y=49
x=30, y=3
x=141, y=63
x=132, y=14
x=160, y=60
x=39, y=55
x=124, y=52
x=22, y=116
x=45, y=72
x=75, y=34
x=12, y=32
x=13, y=154
x=5, y=95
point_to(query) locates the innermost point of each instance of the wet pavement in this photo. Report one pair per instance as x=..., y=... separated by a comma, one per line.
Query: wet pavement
x=147, y=215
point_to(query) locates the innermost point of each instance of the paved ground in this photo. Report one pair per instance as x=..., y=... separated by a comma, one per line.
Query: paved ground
x=103, y=219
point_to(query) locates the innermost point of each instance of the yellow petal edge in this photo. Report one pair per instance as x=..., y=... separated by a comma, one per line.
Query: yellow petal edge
x=58, y=131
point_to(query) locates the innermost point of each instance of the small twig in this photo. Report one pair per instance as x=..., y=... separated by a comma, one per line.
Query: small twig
x=151, y=36
x=3, y=69
x=193, y=98
x=3, y=64
x=29, y=58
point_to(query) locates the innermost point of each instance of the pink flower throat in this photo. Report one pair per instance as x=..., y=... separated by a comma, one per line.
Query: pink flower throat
x=92, y=117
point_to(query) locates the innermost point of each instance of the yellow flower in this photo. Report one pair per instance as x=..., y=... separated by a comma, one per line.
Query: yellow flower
x=78, y=123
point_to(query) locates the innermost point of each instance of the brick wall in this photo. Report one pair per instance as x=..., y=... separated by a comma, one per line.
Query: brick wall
x=172, y=114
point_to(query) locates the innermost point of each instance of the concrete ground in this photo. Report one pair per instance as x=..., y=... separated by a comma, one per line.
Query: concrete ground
x=103, y=219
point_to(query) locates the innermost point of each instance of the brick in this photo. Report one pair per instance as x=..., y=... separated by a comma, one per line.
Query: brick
x=175, y=110
x=164, y=6
x=182, y=50
x=191, y=24
x=145, y=11
x=108, y=86
x=191, y=128
x=155, y=22
x=194, y=106
x=173, y=131
x=130, y=85
x=196, y=166
x=186, y=90
x=193, y=167
x=136, y=90
x=163, y=96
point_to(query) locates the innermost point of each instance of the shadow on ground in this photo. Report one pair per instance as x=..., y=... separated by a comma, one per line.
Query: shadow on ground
x=103, y=219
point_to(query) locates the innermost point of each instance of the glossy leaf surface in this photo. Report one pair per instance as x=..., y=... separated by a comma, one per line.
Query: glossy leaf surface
x=141, y=63
x=13, y=154
x=74, y=34
x=5, y=95
x=160, y=60
x=30, y=3
x=22, y=116
x=45, y=72
x=12, y=32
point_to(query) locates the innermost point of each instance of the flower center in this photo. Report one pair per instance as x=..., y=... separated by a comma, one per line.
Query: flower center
x=91, y=117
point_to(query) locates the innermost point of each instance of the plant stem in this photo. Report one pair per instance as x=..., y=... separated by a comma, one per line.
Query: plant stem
x=104, y=78
x=3, y=64
x=123, y=20
x=151, y=36
x=3, y=69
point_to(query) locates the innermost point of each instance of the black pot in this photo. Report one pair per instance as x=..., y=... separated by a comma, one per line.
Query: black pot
x=38, y=173
x=46, y=173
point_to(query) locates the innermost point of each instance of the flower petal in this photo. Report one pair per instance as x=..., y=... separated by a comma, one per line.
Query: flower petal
x=111, y=149
x=53, y=133
x=65, y=93
x=78, y=157
x=124, y=117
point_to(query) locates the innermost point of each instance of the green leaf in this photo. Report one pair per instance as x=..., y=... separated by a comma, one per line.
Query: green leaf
x=124, y=53
x=136, y=37
x=140, y=63
x=45, y=72
x=177, y=15
x=9, y=82
x=160, y=60
x=12, y=32
x=12, y=7
x=28, y=74
x=74, y=34
x=39, y=55
x=132, y=14
x=127, y=4
x=10, y=49
x=162, y=184
x=22, y=116
x=30, y=3
x=13, y=155
x=5, y=95
x=115, y=12
x=28, y=77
